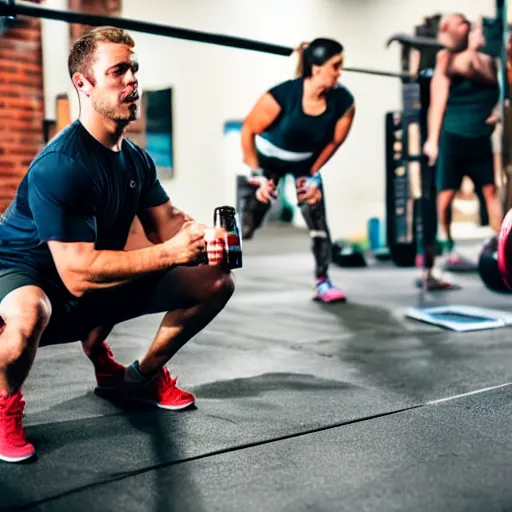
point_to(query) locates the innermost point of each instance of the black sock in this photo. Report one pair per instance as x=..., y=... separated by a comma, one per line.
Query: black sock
x=133, y=373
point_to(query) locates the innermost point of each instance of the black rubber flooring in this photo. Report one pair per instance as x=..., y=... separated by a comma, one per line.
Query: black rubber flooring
x=300, y=406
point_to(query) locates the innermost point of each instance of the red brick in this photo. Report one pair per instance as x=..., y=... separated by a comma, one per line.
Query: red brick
x=15, y=127
x=20, y=52
x=14, y=115
x=24, y=34
x=6, y=165
x=21, y=103
x=21, y=76
x=26, y=103
x=9, y=189
x=15, y=148
x=8, y=67
x=21, y=93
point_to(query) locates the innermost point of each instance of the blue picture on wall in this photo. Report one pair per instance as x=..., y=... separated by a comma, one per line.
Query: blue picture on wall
x=159, y=143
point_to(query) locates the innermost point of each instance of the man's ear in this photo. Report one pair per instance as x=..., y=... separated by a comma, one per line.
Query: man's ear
x=82, y=84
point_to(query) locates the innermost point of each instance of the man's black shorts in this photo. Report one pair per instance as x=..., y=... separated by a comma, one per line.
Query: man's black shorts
x=462, y=156
x=73, y=318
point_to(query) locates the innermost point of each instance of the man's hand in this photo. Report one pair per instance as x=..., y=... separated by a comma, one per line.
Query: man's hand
x=266, y=188
x=493, y=118
x=431, y=150
x=308, y=191
x=476, y=39
x=188, y=244
x=215, y=240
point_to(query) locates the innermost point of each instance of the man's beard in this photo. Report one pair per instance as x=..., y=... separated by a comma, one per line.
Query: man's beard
x=104, y=108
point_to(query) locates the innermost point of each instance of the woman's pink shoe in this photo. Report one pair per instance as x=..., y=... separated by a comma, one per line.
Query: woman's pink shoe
x=326, y=292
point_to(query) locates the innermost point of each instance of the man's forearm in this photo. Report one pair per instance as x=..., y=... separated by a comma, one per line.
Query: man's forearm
x=107, y=269
x=435, y=121
x=439, y=92
x=436, y=112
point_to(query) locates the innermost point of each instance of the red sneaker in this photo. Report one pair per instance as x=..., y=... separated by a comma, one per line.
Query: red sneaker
x=162, y=392
x=109, y=373
x=13, y=445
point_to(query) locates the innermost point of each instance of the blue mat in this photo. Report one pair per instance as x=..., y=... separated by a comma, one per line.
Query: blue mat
x=461, y=318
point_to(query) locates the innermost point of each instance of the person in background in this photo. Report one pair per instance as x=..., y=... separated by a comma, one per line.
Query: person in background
x=295, y=128
x=461, y=120
x=421, y=65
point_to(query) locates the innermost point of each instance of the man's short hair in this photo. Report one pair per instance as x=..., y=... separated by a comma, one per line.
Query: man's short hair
x=81, y=55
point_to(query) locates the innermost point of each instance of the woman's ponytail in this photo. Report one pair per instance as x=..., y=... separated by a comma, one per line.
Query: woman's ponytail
x=299, y=70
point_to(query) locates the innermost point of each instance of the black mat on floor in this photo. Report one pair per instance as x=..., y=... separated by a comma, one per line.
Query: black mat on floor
x=275, y=364
x=453, y=456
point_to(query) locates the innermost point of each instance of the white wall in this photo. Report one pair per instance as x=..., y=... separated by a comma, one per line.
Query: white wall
x=213, y=84
x=356, y=178
x=55, y=43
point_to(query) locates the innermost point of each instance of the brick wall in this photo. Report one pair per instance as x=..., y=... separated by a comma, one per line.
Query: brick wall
x=21, y=103
x=99, y=7
x=22, y=95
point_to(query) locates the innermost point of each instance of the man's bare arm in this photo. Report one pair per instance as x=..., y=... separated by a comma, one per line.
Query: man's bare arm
x=162, y=222
x=83, y=268
x=439, y=90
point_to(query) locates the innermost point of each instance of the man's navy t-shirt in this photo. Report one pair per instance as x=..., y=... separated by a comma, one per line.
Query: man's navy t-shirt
x=76, y=190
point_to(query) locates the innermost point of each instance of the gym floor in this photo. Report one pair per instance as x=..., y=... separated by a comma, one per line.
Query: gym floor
x=300, y=406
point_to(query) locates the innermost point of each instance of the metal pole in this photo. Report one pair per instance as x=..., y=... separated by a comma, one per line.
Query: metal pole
x=13, y=8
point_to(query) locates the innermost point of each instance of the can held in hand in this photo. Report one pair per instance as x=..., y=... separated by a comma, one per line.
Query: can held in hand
x=225, y=217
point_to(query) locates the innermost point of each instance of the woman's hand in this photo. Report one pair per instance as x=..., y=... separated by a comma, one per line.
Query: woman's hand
x=308, y=190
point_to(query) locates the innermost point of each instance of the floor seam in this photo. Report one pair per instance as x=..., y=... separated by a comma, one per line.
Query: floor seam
x=264, y=442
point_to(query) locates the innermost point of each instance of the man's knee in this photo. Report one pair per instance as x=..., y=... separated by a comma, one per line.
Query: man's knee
x=223, y=286
x=28, y=307
x=25, y=313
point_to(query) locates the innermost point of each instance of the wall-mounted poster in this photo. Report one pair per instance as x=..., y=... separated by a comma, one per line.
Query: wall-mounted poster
x=159, y=132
